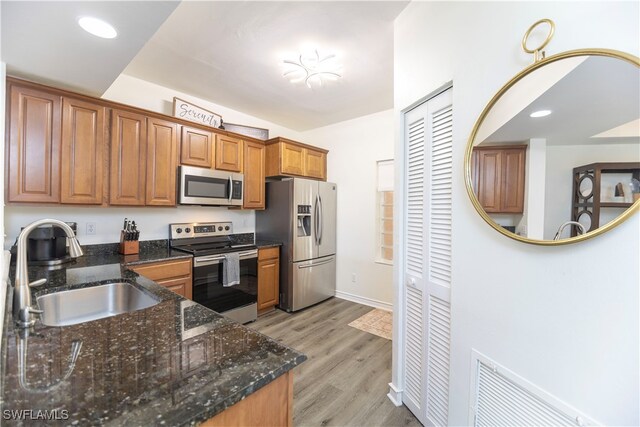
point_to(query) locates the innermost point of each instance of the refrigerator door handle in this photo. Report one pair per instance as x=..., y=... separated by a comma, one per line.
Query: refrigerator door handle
x=316, y=220
x=315, y=264
x=321, y=219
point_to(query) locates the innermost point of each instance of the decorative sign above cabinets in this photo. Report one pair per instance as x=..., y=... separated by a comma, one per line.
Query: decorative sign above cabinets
x=188, y=111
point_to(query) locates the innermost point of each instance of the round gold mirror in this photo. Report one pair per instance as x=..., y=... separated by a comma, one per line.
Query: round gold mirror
x=554, y=158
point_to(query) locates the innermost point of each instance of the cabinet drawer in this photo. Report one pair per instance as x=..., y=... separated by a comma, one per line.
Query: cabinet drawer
x=268, y=253
x=164, y=270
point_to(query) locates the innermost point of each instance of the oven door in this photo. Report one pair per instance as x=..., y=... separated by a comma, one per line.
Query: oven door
x=200, y=186
x=208, y=289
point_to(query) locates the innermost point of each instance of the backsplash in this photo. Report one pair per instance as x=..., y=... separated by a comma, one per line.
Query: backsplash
x=152, y=221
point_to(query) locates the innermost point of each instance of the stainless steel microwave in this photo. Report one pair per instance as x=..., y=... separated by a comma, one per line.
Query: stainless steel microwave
x=200, y=186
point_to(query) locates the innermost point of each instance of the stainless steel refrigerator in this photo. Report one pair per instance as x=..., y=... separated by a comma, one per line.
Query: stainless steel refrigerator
x=301, y=213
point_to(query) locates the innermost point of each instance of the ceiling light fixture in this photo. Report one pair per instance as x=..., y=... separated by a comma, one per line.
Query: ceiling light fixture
x=97, y=27
x=541, y=113
x=312, y=69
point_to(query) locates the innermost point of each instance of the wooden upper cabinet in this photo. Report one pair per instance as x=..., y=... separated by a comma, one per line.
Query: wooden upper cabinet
x=162, y=162
x=228, y=153
x=82, y=166
x=254, y=177
x=290, y=158
x=513, y=170
x=499, y=178
x=128, y=158
x=197, y=147
x=33, y=151
x=315, y=164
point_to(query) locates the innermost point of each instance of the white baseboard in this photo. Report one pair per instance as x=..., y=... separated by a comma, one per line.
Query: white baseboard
x=395, y=395
x=364, y=300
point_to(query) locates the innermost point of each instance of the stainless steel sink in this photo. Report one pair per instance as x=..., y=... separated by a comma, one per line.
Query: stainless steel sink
x=86, y=304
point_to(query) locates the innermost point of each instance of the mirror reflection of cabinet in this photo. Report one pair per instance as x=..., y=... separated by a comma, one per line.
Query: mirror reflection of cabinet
x=588, y=195
x=499, y=178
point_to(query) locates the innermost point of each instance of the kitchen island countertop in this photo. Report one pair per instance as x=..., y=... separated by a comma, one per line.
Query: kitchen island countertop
x=175, y=363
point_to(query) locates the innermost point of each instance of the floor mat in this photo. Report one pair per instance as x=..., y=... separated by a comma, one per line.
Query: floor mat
x=377, y=322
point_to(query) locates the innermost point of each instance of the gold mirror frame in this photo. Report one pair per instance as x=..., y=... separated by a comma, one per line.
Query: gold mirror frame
x=469, y=150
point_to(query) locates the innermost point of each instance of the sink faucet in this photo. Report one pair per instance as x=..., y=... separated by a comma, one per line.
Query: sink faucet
x=562, y=227
x=22, y=309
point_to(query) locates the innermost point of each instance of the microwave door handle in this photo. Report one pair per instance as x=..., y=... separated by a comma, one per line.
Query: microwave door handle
x=230, y=188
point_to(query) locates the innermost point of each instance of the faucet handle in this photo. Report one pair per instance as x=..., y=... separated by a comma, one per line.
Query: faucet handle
x=35, y=310
x=37, y=283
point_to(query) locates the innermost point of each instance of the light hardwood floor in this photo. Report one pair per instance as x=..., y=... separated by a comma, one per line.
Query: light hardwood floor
x=344, y=381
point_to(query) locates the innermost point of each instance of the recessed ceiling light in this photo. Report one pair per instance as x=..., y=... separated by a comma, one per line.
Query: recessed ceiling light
x=311, y=68
x=541, y=113
x=97, y=27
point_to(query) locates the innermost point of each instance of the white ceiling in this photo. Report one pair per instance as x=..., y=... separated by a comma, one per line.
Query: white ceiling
x=598, y=95
x=229, y=53
x=41, y=41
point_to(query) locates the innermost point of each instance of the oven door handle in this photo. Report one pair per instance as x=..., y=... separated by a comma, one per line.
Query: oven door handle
x=202, y=261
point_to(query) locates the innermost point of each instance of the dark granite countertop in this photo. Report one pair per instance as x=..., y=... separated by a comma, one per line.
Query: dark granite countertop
x=175, y=363
x=267, y=244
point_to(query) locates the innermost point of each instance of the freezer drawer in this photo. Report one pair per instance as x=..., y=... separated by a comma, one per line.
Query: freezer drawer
x=313, y=281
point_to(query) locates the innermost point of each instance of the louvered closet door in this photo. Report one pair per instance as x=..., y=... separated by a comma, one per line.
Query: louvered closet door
x=427, y=268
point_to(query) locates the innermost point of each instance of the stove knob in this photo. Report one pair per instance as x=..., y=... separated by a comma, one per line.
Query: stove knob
x=220, y=228
x=227, y=228
x=178, y=230
x=187, y=230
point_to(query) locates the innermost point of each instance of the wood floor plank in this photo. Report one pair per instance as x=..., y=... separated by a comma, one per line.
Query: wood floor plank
x=345, y=380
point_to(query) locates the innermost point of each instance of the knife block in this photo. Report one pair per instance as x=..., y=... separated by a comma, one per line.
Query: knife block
x=128, y=247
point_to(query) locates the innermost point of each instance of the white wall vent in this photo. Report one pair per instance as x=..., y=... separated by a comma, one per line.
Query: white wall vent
x=502, y=398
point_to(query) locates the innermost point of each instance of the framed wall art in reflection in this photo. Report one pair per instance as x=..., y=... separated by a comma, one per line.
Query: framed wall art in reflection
x=191, y=112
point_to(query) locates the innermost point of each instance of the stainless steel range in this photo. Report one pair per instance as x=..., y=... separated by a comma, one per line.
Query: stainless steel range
x=209, y=243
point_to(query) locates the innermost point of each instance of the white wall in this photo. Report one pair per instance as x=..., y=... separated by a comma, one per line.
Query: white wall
x=152, y=221
x=354, y=148
x=143, y=94
x=562, y=317
x=561, y=160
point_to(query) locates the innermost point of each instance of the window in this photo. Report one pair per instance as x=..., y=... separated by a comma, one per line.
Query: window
x=384, y=222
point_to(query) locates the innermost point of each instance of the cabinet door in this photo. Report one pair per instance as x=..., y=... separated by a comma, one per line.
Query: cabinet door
x=34, y=146
x=489, y=179
x=162, y=161
x=512, y=193
x=292, y=159
x=181, y=286
x=268, y=278
x=228, y=153
x=128, y=158
x=197, y=147
x=315, y=164
x=254, y=175
x=83, y=152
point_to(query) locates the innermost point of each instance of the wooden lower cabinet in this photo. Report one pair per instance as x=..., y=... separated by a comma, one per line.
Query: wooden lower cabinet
x=272, y=405
x=268, y=278
x=173, y=275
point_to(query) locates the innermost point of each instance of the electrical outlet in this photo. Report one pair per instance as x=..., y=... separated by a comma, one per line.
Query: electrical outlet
x=91, y=228
x=353, y=277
